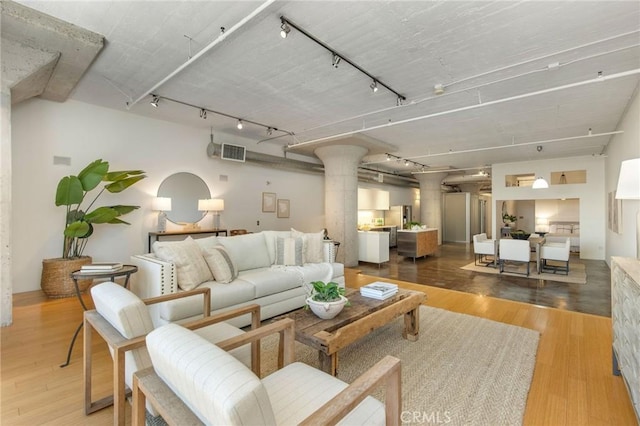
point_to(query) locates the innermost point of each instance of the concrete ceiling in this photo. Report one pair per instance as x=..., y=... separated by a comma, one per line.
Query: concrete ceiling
x=511, y=71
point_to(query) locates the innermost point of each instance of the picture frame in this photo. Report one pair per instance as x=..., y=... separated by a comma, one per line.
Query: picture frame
x=283, y=208
x=268, y=202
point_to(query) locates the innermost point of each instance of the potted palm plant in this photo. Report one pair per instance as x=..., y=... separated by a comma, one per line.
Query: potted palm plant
x=73, y=192
x=327, y=299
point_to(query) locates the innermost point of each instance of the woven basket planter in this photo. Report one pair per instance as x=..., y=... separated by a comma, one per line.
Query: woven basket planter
x=56, y=279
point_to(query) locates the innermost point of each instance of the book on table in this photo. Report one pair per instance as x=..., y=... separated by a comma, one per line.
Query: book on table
x=379, y=290
x=101, y=267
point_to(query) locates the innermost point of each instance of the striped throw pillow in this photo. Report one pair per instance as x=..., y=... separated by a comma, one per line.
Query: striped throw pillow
x=289, y=251
x=222, y=266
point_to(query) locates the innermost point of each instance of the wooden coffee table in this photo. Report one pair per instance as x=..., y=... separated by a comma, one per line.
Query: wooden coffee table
x=354, y=322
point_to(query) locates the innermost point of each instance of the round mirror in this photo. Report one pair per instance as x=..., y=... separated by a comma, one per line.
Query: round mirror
x=184, y=189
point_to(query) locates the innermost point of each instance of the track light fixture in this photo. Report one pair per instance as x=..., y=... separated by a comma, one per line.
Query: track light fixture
x=399, y=101
x=406, y=162
x=205, y=111
x=284, y=30
x=336, y=60
x=336, y=57
x=374, y=86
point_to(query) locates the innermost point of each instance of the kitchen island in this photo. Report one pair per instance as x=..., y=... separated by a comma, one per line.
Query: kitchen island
x=417, y=243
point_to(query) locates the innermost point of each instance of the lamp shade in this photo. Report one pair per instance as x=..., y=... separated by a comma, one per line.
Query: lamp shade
x=162, y=204
x=540, y=183
x=629, y=180
x=218, y=204
x=211, y=205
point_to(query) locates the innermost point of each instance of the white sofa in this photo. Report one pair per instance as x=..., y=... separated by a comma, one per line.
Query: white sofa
x=273, y=269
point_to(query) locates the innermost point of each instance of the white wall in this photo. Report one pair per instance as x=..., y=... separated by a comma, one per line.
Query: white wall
x=624, y=147
x=591, y=195
x=43, y=129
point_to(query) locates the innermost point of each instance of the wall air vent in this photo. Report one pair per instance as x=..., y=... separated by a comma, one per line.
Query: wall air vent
x=233, y=152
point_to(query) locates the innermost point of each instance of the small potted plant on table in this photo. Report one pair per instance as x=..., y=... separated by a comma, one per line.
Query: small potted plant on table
x=326, y=299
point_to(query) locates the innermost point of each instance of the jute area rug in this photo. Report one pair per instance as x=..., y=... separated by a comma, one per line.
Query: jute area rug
x=463, y=370
x=577, y=273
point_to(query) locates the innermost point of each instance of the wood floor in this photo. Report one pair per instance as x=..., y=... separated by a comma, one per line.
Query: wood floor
x=572, y=383
x=443, y=270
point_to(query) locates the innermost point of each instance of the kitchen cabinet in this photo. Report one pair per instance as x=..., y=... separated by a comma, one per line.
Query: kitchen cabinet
x=373, y=247
x=393, y=233
x=417, y=243
x=373, y=199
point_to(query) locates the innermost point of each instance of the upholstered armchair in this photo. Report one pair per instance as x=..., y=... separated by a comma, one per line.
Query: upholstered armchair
x=196, y=382
x=514, y=251
x=556, y=249
x=483, y=247
x=123, y=321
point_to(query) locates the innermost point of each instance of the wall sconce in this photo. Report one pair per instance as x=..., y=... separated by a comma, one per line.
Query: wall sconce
x=162, y=205
x=629, y=189
x=215, y=205
x=540, y=183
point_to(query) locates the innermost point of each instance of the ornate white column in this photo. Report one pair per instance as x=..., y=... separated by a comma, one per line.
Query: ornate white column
x=341, y=197
x=431, y=200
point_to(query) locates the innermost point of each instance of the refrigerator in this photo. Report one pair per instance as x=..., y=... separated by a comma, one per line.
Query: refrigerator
x=398, y=216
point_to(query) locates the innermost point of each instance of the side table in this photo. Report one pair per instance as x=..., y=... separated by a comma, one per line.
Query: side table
x=125, y=271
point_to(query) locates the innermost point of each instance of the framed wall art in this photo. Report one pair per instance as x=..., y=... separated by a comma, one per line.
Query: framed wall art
x=268, y=202
x=283, y=208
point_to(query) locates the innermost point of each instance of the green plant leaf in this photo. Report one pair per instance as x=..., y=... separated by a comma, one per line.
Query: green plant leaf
x=113, y=176
x=93, y=174
x=122, y=210
x=117, y=221
x=101, y=215
x=122, y=184
x=77, y=229
x=69, y=191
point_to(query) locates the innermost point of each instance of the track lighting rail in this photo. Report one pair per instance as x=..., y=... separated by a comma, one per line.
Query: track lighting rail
x=336, y=57
x=204, y=111
x=406, y=161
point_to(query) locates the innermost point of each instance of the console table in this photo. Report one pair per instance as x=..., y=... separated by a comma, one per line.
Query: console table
x=625, y=321
x=156, y=236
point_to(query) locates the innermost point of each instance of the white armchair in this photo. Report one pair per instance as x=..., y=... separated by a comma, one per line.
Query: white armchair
x=556, y=249
x=123, y=320
x=196, y=382
x=483, y=247
x=515, y=251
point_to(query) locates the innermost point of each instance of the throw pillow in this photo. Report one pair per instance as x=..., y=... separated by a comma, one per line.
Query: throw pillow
x=289, y=251
x=249, y=251
x=313, y=245
x=223, y=267
x=191, y=268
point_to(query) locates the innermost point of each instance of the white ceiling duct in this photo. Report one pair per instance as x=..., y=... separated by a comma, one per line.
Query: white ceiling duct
x=455, y=179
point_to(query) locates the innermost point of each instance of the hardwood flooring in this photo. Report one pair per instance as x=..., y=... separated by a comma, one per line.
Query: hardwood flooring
x=572, y=382
x=443, y=270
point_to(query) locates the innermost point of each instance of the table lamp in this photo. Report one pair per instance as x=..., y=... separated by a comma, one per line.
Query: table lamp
x=162, y=205
x=629, y=189
x=215, y=205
